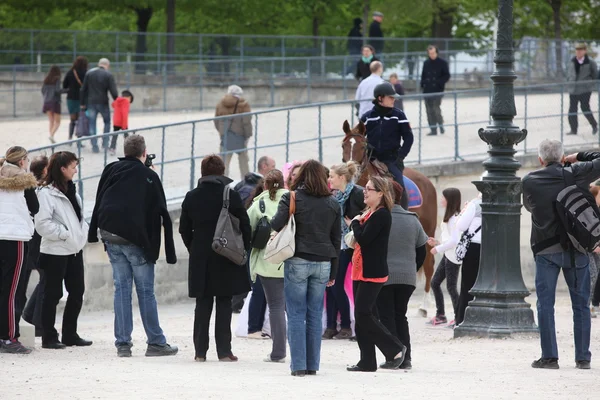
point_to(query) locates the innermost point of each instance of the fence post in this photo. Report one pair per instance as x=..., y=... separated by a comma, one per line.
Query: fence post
x=456, y=143
x=162, y=156
x=287, y=138
x=14, y=87
x=528, y=60
x=320, y=138
x=200, y=71
x=39, y=62
x=31, y=48
x=164, y=71
x=562, y=111
x=74, y=45
x=242, y=56
x=323, y=58
x=255, y=142
x=308, y=78
x=128, y=74
x=193, y=157
x=272, y=84
x=352, y=112
x=117, y=55
x=344, y=83
x=420, y=126
x=525, y=121
x=282, y=55
x=79, y=174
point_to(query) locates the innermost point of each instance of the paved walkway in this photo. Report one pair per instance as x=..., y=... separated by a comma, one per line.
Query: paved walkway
x=442, y=367
x=471, y=112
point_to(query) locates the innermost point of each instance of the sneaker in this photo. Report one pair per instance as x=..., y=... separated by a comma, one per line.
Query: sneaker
x=432, y=133
x=594, y=129
x=442, y=129
x=407, y=364
x=438, y=320
x=13, y=347
x=451, y=324
x=583, y=364
x=344, y=334
x=124, y=350
x=396, y=362
x=257, y=335
x=545, y=363
x=200, y=359
x=159, y=350
x=329, y=333
x=270, y=360
x=52, y=139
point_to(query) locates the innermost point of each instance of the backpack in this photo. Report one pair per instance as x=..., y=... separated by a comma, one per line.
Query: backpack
x=579, y=216
x=228, y=240
x=262, y=233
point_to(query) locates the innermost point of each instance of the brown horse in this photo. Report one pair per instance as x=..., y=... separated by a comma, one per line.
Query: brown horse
x=354, y=148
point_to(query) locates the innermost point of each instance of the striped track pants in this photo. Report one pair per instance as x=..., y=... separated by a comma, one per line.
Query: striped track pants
x=12, y=261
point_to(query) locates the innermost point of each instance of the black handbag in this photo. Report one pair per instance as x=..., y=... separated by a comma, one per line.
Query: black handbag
x=262, y=233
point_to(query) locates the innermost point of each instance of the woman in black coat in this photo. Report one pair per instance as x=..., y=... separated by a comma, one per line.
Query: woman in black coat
x=212, y=276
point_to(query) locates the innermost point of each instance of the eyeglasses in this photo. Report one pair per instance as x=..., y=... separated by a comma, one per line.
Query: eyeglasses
x=368, y=189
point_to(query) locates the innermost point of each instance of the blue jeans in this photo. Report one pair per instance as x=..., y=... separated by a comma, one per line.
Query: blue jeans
x=129, y=264
x=548, y=267
x=92, y=112
x=257, y=307
x=304, y=288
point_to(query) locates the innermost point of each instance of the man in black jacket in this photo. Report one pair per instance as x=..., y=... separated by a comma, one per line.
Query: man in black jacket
x=540, y=191
x=375, y=32
x=130, y=208
x=355, y=38
x=433, y=80
x=98, y=82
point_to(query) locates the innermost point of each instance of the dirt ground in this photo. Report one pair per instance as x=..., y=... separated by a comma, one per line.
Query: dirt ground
x=442, y=367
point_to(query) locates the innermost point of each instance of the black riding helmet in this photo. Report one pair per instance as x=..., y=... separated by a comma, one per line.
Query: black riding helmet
x=385, y=89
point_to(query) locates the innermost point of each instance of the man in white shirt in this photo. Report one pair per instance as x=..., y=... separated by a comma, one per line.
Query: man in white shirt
x=366, y=87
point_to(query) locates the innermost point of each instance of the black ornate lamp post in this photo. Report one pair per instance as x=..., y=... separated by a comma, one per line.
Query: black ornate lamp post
x=499, y=308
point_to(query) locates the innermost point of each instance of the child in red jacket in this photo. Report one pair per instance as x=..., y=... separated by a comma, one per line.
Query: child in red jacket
x=120, y=117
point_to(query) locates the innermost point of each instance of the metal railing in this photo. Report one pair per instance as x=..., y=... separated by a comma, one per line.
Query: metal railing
x=199, y=84
x=315, y=130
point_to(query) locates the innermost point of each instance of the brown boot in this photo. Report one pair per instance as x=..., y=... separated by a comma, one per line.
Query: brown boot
x=329, y=333
x=345, y=334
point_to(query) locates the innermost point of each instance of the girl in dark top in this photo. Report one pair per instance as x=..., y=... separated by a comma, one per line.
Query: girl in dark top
x=52, y=91
x=369, y=273
x=350, y=198
x=72, y=83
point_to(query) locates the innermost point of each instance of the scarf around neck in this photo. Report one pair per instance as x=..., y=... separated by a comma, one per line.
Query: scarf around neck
x=367, y=60
x=341, y=198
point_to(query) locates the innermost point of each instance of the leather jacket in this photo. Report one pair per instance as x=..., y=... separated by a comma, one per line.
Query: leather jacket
x=540, y=190
x=96, y=85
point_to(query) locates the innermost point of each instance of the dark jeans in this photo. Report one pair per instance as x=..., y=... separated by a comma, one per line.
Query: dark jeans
x=396, y=168
x=470, y=269
x=434, y=112
x=370, y=332
x=448, y=271
x=204, y=307
x=92, y=112
x=337, y=299
x=113, y=140
x=33, y=308
x=547, y=269
x=596, y=297
x=392, y=304
x=257, y=307
x=276, y=299
x=13, y=256
x=56, y=270
x=584, y=100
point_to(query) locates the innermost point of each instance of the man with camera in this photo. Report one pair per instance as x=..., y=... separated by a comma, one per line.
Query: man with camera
x=130, y=206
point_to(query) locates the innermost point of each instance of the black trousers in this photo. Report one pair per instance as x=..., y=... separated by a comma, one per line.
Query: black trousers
x=13, y=256
x=448, y=271
x=113, y=140
x=392, y=304
x=370, y=332
x=204, y=307
x=584, y=100
x=470, y=269
x=33, y=309
x=56, y=270
x=337, y=299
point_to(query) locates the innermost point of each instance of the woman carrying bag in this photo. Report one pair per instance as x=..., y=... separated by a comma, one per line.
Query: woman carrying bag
x=314, y=263
x=264, y=207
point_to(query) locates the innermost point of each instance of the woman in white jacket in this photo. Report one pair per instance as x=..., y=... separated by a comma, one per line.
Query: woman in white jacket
x=469, y=222
x=64, y=231
x=449, y=267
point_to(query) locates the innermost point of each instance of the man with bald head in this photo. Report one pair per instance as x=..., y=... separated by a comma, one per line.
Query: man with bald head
x=364, y=92
x=98, y=82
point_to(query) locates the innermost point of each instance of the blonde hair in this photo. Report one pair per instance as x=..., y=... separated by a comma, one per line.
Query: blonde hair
x=347, y=170
x=383, y=186
x=15, y=154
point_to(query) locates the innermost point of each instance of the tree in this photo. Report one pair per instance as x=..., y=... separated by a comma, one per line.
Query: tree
x=556, y=6
x=170, y=30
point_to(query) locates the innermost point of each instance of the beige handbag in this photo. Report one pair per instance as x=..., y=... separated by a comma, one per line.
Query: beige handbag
x=350, y=240
x=282, y=245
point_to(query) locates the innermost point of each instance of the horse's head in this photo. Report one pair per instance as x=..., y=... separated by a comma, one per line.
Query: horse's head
x=354, y=144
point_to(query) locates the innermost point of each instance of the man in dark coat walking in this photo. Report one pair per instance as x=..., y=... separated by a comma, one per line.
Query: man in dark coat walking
x=580, y=72
x=433, y=80
x=375, y=33
x=212, y=276
x=355, y=38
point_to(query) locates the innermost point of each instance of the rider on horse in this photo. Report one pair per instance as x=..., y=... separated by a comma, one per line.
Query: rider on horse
x=388, y=132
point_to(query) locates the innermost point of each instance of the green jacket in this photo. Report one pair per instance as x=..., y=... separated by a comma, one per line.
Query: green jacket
x=258, y=265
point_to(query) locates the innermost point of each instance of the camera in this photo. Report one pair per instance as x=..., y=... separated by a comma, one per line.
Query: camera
x=149, y=159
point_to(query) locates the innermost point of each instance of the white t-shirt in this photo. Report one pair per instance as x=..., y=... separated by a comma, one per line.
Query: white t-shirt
x=450, y=238
x=365, y=92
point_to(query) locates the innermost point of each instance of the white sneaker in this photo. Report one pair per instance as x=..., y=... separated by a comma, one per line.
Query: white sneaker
x=270, y=360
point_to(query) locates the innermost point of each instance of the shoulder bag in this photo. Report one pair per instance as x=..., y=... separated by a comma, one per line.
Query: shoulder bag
x=282, y=245
x=463, y=244
x=228, y=240
x=231, y=140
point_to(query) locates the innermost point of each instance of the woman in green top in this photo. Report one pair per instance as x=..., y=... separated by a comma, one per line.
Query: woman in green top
x=270, y=275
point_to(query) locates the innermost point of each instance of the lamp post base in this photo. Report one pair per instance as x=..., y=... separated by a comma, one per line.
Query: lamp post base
x=497, y=315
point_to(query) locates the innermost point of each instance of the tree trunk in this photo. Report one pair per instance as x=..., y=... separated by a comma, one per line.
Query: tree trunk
x=143, y=20
x=556, y=6
x=170, y=33
x=366, y=21
x=441, y=26
x=315, y=33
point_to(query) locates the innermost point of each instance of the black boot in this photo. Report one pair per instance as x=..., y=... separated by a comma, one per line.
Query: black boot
x=72, y=129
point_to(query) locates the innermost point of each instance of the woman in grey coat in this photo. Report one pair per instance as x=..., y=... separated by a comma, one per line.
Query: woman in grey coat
x=406, y=253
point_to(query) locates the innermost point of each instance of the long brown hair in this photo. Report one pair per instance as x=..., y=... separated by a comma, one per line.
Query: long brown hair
x=453, y=200
x=80, y=64
x=55, y=175
x=383, y=185
x=53, y=75
x=312, y=178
